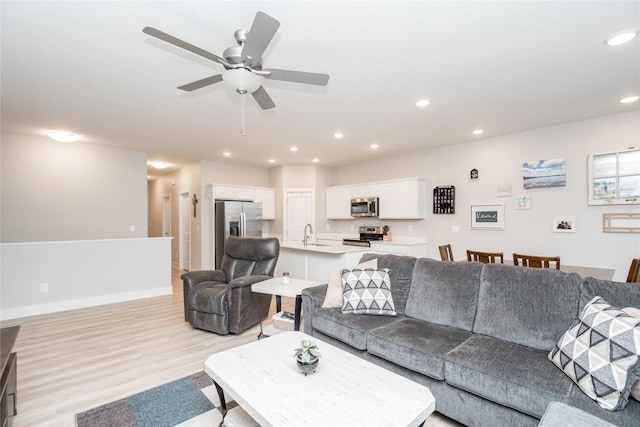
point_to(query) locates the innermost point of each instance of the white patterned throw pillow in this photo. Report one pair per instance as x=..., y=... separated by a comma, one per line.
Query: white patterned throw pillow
x=367, y=291
x=601, y=353
x=333, y=297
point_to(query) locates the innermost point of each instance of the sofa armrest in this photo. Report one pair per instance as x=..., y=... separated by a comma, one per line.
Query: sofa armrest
x=241, y=282
x=312, y=299
x=192, y=278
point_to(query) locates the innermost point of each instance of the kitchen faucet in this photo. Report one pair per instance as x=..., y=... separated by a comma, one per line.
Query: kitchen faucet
x=305, y=233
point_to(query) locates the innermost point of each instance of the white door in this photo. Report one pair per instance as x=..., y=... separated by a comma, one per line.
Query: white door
x=185, y=232
x=299, y=211
x=166, y=216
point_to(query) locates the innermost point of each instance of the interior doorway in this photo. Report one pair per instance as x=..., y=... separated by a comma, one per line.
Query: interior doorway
x=184, y=239
x=299, y=210
x=166, y=215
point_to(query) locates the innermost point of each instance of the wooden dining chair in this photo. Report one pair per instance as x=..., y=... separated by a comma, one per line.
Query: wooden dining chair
x=536, y=261
x=634, y=271
x=485, y=257
x=445, y=253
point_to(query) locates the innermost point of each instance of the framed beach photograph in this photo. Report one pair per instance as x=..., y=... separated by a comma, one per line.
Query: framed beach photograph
x=487, y=217
x=564, y=225
x=544, y=173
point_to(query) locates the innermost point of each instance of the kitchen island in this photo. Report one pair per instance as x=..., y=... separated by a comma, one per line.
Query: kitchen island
x=315, y=260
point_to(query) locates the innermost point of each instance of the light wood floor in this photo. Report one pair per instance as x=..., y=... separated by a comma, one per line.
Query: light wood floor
x=72, y=361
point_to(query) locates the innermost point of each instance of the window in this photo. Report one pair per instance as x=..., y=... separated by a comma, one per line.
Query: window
x=614, y=178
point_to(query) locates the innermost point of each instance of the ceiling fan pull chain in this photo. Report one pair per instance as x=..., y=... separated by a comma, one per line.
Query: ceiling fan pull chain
x=242, y=112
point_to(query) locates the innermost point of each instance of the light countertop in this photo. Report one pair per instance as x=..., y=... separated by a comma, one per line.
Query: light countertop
x=326, y=248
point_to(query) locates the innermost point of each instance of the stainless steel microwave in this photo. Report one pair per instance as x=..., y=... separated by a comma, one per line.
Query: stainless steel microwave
x=367, y=206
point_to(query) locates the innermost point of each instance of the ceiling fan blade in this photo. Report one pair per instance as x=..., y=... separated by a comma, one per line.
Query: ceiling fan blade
x=262, y=30
x=262, y=97
x=181, y=43
x=297, y=76
x=201, y=83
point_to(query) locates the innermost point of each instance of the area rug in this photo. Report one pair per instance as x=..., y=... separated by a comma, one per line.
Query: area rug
x=188, y=401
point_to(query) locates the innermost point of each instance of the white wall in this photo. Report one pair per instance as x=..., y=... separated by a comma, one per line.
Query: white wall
x=81, y=274
x=499, y=161
x=53, y=191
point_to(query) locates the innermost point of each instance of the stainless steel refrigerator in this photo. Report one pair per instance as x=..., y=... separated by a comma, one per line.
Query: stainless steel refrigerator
x=242, y=219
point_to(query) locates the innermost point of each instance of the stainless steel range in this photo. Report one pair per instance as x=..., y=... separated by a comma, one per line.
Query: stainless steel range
x=367, y=234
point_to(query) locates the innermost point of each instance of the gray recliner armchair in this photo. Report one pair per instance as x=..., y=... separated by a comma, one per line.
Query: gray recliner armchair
x=221, y=301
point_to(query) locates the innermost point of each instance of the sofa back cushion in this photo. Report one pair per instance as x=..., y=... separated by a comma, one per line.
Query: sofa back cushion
x=400, y=273
x=528, y=306
x=445, y=293
x=617, y=294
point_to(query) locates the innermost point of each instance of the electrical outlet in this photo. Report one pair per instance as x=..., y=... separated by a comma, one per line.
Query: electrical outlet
x=410, y=228
x=44, y=287
x=455, y=229
x=353, y=227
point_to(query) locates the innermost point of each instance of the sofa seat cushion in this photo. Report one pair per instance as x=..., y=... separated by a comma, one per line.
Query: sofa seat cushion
x=416, y=345
x=208, y=297
x=562, y=415
x=349, y=328
x=510, y=374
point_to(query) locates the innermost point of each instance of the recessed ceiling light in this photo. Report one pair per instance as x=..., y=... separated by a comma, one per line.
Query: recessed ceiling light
x=374, y=146
x=62, y=136
x=478, y=132
x=159, y=165
x=422, y=103
x=293, y=149
x=226, y=154
x=272, y=161
x=621, y=37
x=629, y=99
x=338, y=135
x=316, y=160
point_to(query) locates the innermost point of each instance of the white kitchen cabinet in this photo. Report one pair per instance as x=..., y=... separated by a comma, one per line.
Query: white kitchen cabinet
x=267, y=196
x=224, y=192
x=338, y=203
x=230, y=192
x=405, y=199
x=363, y=191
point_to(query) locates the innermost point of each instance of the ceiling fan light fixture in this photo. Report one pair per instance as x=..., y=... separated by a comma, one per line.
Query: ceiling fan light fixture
x=242, y=80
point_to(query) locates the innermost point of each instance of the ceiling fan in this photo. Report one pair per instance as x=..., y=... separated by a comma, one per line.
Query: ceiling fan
x=243, y=63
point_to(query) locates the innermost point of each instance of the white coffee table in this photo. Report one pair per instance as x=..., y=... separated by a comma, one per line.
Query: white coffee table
x=292, y=289
x=262, y=377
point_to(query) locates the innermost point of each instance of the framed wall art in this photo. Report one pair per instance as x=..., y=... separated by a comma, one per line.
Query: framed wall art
x=614, y=178
x=522, y=202
x=487, y=217
x=544, y=173
x=564, y=225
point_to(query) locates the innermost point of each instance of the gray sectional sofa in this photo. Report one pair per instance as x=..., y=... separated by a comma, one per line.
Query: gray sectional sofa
x=478, y=335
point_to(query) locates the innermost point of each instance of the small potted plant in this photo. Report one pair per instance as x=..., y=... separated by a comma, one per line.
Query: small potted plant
x=307, y=356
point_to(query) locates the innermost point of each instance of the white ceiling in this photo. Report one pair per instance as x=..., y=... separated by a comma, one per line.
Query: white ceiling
x=87, y=67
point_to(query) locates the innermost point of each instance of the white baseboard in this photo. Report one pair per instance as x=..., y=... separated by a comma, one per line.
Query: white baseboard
x=54, y=307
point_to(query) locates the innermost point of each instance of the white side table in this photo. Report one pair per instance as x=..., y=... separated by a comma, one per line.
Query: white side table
x=293, y=289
